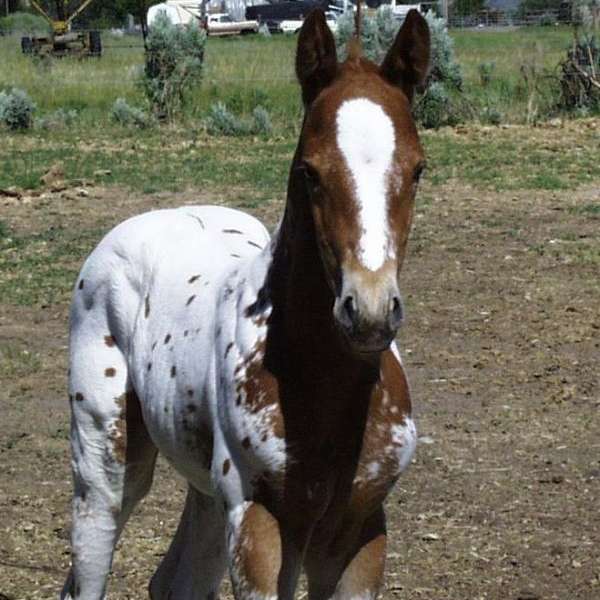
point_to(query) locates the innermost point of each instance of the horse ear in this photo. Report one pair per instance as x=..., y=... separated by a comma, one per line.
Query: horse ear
x=407, y=62
x=316, y=59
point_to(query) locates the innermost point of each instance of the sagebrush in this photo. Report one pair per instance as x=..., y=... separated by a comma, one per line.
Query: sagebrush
x=16, y=109
x=174, y=61
x=441, y=101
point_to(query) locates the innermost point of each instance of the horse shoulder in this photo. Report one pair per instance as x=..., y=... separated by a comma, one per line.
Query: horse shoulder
x=247, y=392
x=390, y=436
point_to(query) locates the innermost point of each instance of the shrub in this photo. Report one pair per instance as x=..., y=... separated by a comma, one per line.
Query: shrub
x=127, y=115
x=16, y=109
x=486, y=71
x=174, y=59
x=580, y=71
x=262, y=121
x=58, y=119
x=22, y=22
x=444, y=67
x=377, y=33
x=221, y=121
x=441, y=103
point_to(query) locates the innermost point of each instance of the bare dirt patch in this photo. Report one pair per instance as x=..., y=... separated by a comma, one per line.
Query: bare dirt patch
x=501, y=345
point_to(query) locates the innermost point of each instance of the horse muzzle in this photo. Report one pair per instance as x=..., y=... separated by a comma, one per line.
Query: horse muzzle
x=369, y=316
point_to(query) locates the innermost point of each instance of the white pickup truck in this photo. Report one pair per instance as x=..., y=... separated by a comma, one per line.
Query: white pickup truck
x=223, y=24
x=294, y=25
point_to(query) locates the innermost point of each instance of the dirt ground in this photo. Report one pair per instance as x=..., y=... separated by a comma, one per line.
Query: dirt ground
x=502, y=348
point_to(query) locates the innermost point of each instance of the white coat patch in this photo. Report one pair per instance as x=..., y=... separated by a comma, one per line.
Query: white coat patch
x=366, y=139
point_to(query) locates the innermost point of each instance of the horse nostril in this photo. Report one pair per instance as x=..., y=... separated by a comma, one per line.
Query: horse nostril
x=349, y=311
x=397, y=314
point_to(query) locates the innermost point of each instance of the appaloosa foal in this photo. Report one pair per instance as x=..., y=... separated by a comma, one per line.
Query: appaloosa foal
x=264, y=371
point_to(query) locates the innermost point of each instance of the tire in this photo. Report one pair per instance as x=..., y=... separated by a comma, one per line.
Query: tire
x=95, y=43
x=27, y=45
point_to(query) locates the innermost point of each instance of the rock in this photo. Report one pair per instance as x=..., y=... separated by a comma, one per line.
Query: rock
x=54, y=176
x=11, y=192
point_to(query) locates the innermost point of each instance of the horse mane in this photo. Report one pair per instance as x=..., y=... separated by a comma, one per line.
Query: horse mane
x=354, y=45
x=357, y=21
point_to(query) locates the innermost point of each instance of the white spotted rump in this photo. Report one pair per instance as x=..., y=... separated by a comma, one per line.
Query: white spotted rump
x=366, y=139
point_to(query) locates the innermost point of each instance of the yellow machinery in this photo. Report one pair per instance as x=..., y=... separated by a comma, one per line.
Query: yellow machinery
x=62, y=41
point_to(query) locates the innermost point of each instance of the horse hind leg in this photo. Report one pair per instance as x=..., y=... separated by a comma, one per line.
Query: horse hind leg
x=196, y=561
x=112, y=458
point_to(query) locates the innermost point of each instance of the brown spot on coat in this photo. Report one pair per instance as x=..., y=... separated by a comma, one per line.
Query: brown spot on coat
x=109, y=340
x=81, y=284
x=229, y=347
x=190, y=300
x=190, y=393
x=79, y=397
x=194, y=278
x=226, y=466
x=173, y=371
x=167, y=338
x=246, y=443
x=110, y=372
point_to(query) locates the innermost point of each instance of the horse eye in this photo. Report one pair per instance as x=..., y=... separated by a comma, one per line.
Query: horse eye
x=310, y=175
x=418, y=172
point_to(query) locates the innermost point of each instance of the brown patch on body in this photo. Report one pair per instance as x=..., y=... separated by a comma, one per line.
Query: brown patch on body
x=259, y=551
x=259, y=389
x=130, y=440
x=246, y=443
x=109, y=340
x=173, y=371
x=167, y=338
x=79, y=397
x=226, y=466
x=81, y=284
x=110, y=372
x=194, y=278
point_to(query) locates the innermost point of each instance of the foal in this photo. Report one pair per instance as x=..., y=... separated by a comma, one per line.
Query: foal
x=264, y=371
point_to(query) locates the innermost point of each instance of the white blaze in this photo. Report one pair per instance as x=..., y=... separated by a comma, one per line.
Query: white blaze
x=366, y=139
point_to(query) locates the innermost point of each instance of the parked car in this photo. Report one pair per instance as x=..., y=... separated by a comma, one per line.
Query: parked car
x=294, y=25
x=223, y=24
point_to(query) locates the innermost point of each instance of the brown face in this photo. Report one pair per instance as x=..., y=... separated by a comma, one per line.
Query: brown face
x=361, y=158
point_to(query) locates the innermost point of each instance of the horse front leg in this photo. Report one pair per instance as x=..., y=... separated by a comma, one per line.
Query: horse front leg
x=355, y=573
x=264, y=563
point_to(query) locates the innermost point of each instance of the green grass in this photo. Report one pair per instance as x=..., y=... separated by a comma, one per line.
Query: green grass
x=538, y=50
x=161, y=159
x=175, y=159
x=245, y=71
